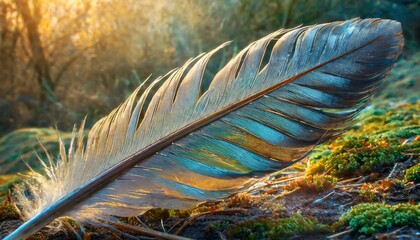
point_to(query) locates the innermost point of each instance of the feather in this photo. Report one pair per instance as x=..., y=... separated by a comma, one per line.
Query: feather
x=186, y=146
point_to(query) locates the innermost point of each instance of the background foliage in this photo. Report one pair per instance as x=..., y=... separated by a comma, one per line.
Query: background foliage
x=61, y=60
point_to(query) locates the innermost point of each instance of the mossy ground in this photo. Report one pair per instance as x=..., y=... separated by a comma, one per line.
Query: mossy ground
x=413, y=174
x=370, y=218
x=381, y=138
x=8, y=211
x=281, y=228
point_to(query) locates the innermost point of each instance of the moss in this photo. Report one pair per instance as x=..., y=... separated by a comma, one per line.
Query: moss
x=388, y=116
x=162, y=214
x=206, y=207
x=368, y=193
x=37, y=236
x=220, y=226
x=381, y=138
x=157, y=214
x=355, y=155
x=8, y=211
x=277, y=229
x=370, y=218
x=413, y=174
x=297, y=225
x=312, y=183
x=399, y=185
x=252, y=230
x=241, y=200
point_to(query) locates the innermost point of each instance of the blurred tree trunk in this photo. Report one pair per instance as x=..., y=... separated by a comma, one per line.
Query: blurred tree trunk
x=8, y=40
x=39, y=61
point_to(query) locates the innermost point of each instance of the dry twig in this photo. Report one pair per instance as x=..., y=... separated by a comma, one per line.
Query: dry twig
x=145, y=231
x=340, y=234
x=345, y=181
x=388, y=235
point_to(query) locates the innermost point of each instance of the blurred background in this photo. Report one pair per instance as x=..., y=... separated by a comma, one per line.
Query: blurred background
x=61, y=60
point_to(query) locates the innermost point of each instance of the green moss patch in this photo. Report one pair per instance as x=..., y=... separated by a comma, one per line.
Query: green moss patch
x=281, y=228
x=381, y=138
x=8, y=211
x=312, y=183
x=370, y=218
x=413, y=174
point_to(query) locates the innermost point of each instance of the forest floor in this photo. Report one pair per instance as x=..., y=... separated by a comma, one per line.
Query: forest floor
x=363, y=185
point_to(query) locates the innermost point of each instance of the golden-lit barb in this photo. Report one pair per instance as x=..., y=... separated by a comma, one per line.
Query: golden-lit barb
x=266, y=109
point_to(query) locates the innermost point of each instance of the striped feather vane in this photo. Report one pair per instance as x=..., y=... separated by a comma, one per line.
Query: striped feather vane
x=185, y=147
